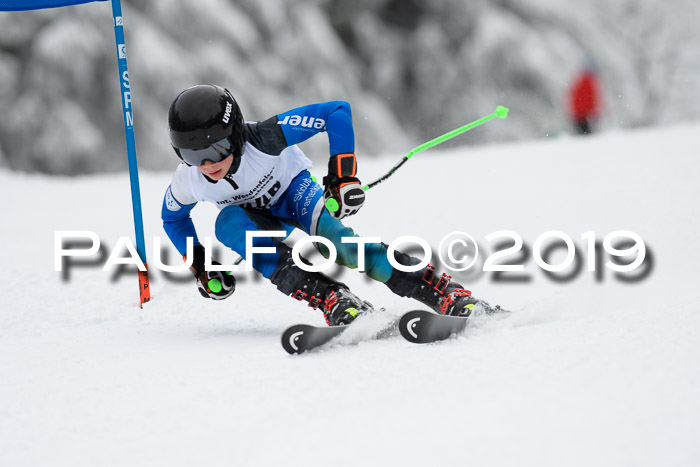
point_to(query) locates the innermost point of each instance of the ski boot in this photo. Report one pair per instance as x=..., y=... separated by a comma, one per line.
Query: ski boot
x=447, y=297
x=340, y=306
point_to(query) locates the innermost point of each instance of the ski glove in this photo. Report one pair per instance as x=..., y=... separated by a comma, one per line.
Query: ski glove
x=342, y=186
x=211, y=284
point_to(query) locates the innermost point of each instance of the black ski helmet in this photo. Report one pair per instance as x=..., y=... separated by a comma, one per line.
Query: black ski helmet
x=205, y=123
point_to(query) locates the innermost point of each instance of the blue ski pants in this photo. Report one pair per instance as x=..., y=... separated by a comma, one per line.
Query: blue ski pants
x=301, y=206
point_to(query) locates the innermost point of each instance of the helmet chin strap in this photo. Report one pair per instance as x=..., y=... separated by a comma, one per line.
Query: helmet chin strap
x=235, y=164
x=210, y=180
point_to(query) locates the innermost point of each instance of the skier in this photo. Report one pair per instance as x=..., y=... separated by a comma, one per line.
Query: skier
x=584, y=100
x=258, y=177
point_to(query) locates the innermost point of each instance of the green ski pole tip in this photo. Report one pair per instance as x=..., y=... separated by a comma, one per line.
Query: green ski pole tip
x=215, y=285
x=501, y=112
x=332, y=205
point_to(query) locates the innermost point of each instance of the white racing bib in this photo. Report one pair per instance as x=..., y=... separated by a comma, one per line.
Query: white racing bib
x=259, y=181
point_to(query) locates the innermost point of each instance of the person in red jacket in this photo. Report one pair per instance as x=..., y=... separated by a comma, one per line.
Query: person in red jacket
x=584, y=101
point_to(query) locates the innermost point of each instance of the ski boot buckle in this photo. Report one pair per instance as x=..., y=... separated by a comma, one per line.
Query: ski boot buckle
x=442, y=283
x=429, y=274
x=299, y=295
x=314, y=302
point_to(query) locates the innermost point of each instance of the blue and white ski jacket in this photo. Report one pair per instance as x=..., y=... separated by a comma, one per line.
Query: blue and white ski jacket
x=270, y=161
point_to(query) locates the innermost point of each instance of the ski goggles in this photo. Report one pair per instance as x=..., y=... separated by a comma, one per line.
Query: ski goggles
x=216, y=152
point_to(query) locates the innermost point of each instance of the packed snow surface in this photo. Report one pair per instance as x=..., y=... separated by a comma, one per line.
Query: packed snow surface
x=591, y=370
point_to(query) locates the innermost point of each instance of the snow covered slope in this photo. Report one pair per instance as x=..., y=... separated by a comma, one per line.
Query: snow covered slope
x=594, y=370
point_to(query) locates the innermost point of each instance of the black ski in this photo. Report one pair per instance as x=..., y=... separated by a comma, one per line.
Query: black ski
x=423, y=327
x=417, y=326
x=370, y=326
x=304, y=337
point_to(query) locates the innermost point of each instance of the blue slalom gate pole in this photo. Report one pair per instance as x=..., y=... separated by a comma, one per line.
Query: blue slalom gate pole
x=144, y=289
